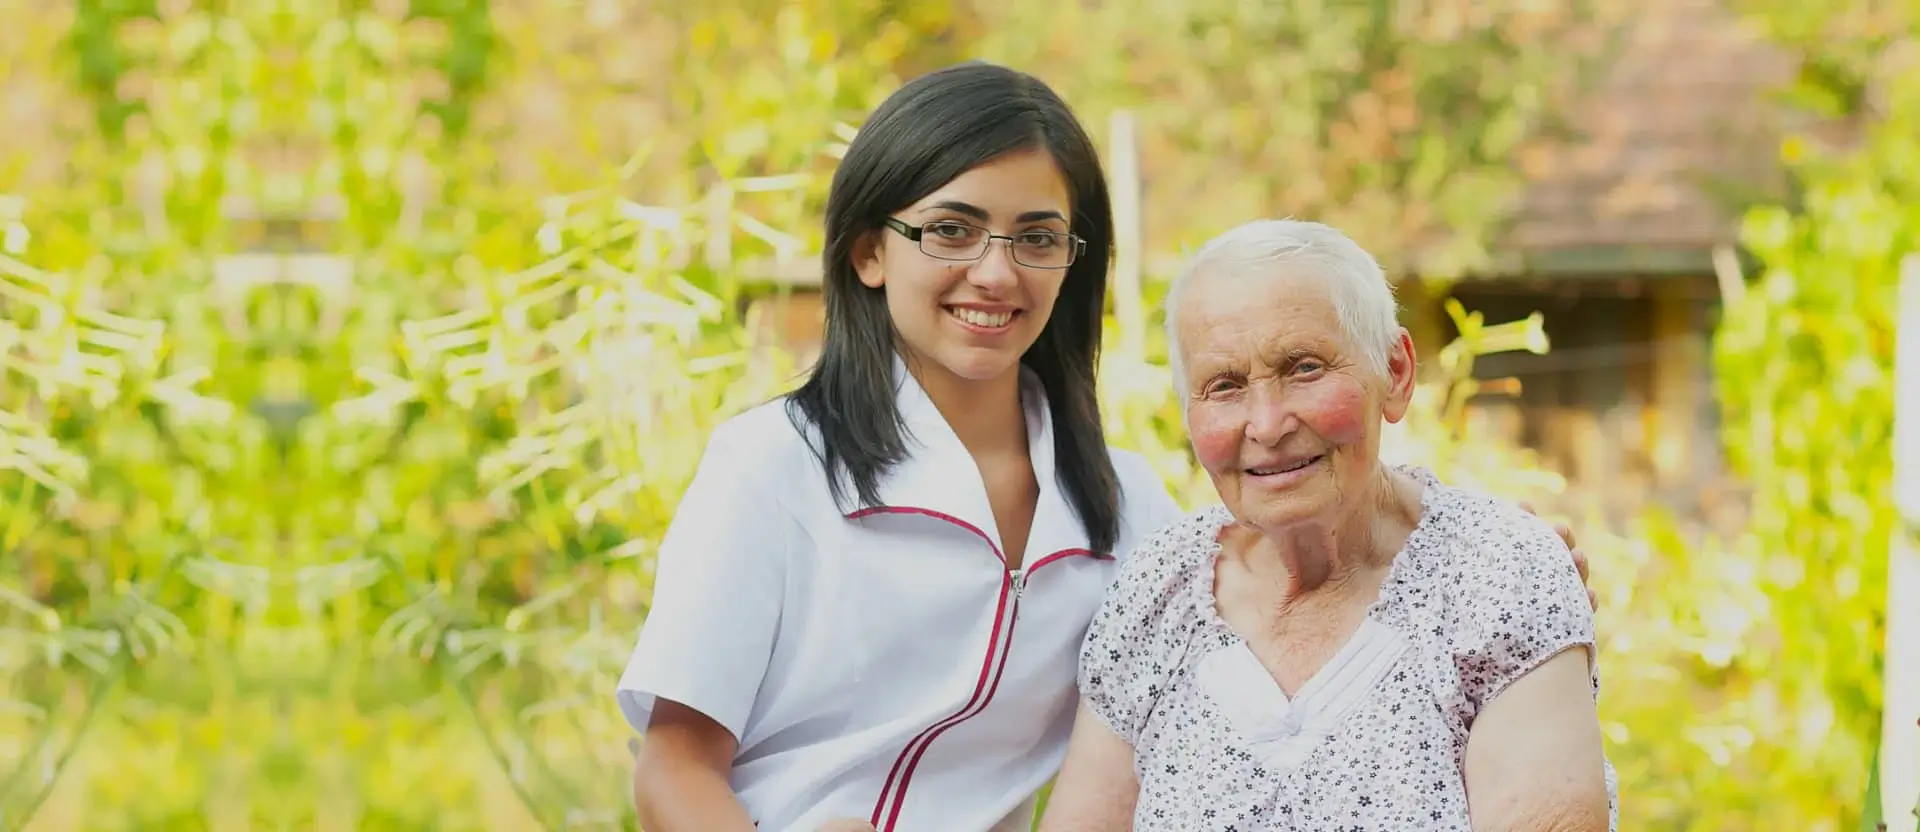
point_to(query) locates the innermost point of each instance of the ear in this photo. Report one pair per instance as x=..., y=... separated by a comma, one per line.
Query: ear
x=866, y=261
x=1400, y=377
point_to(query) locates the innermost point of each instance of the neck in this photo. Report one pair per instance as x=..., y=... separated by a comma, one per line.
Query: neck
x=1321, y=558
x=986, y=415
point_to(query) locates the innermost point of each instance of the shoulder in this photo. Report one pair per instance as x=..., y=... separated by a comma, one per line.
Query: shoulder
x=1146, y=506
x=757, y=453
x=1165, y=563
x=1513, y=597
x=1134, y=472
x=1509, y=577
x=765, y=440
x=1480, y=534
x=763, y=435
x=1136, y=638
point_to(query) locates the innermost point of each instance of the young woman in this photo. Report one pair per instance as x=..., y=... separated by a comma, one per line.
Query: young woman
x=869, y=605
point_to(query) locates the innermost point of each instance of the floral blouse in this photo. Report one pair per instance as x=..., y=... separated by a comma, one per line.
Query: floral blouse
x=1482, y=593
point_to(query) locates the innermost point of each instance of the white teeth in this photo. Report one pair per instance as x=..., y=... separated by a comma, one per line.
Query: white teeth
x=979, y=318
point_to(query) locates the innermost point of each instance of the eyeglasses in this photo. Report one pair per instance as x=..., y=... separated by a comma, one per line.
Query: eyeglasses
x=947, y=240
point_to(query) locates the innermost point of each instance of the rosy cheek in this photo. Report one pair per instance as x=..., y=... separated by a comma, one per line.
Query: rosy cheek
x=1216, y=437
x=1337, y=412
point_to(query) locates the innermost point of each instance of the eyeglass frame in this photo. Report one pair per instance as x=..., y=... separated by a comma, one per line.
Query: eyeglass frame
x=917, y=232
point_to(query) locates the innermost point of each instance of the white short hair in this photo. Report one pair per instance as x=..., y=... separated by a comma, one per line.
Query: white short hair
x=1362, y=296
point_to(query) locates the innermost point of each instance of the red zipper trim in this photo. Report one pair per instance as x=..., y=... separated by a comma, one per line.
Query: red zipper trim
x=971, y=710
x=1067, y=553
x=926, y=736
x=916, y=748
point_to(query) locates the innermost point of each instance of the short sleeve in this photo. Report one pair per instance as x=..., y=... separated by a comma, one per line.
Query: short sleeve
x=1519, y=602
x=718, y=590
x=1138, y=636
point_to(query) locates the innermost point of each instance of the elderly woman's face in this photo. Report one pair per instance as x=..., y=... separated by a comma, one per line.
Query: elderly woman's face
x=1283, y=411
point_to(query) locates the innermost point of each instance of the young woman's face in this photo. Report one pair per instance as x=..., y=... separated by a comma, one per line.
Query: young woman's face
x=974, y=316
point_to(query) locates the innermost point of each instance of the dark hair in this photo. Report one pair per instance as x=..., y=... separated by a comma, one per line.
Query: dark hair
x=930, y=131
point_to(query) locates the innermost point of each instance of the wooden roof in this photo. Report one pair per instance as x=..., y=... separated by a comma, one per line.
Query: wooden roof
x=1678, y=134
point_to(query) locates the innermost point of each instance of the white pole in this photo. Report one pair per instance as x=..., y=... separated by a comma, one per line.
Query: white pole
x=1900, y=728
x=1123, y=165
x=718, y=248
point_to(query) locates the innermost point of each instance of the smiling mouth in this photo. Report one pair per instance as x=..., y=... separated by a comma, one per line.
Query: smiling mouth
x=987, y=320
x=1287, y=468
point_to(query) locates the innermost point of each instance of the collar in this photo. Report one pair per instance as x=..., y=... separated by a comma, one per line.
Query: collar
x=940, y=477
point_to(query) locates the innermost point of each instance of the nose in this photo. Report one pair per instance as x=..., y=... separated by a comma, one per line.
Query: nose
x=1269, y=417
x=995, y=270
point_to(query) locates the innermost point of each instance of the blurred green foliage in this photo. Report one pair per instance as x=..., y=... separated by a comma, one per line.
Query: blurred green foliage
x=353, y=354
x=1820, y=317
x=1398, y=122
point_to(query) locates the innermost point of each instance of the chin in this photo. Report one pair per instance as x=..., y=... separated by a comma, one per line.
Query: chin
x=974, y=364
x=1273, y=512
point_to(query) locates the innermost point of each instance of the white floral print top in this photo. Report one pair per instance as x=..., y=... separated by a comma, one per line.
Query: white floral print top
x=1482, y=593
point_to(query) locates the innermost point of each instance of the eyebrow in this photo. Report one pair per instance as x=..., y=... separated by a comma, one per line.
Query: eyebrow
x=1209, y=365
x=983, y=215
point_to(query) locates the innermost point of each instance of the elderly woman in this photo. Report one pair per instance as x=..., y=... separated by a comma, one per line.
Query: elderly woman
x=1341, y=643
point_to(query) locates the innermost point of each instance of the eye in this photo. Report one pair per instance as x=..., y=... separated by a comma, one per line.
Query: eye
x=1307, y=367
x=1039, y=239
x=948, y=230
x=1218, y=386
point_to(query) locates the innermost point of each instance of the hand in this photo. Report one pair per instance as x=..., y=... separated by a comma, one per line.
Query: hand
x=1579, y=557
x=847, y=825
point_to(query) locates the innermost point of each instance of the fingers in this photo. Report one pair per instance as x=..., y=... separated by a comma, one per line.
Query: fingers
x=1579, y=558
x=1562, y=529
x=1580, y=565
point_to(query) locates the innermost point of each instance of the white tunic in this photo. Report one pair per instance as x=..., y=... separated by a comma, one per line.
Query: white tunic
x=884, y=664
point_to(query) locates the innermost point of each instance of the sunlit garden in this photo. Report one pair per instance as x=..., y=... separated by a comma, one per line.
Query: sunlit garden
x=353, y=357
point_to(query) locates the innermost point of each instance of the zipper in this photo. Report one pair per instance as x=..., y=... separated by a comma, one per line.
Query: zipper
x=893, y=795
x=999, y=650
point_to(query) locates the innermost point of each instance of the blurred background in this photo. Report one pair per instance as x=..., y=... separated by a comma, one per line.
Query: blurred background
x=353, y=355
